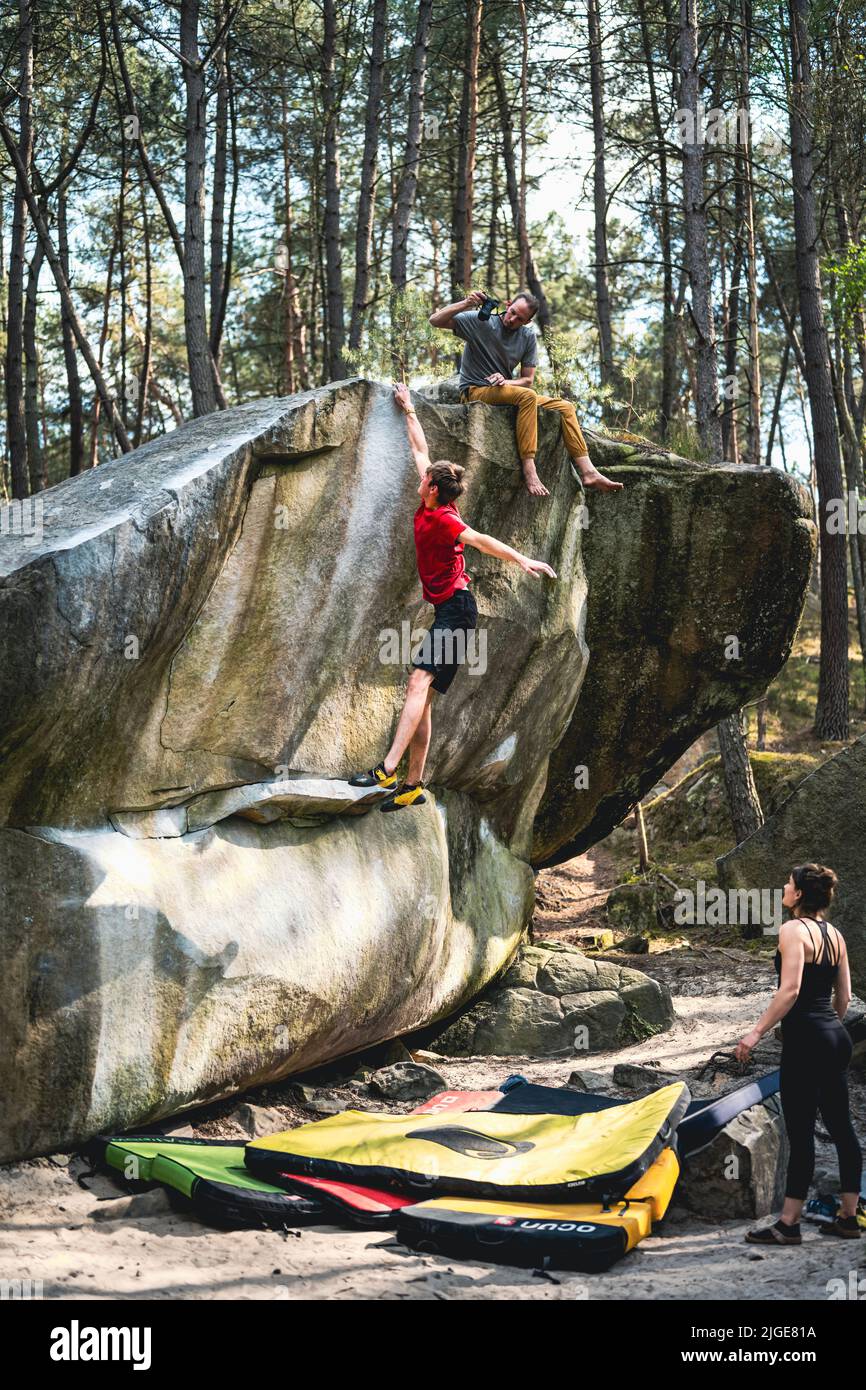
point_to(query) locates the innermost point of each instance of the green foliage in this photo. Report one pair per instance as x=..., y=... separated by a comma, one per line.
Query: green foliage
x=403, y=344
x=849, y=291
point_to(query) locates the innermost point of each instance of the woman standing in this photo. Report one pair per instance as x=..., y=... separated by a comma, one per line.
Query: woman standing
x=812, y=999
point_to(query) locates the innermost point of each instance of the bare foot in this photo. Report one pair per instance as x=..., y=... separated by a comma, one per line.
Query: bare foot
x=590, y=477
x=533, y=482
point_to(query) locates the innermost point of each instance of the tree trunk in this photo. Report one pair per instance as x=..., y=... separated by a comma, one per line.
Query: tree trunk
x=753, y=432
x=70, y=356
x=16, y=427
x=367, y=193
x=103, y=339
x=731, y=326
x=742, y=793
x=295, y=347
x=533, y=279
x=147, y=345
x=468, y=132
x=200, y=363
x=706, y=366
x=669, y=321
x=490, y=276
x=334, y=320
x=35, y=450
x=218, y=285
x=743, y=800
x=524, y=107
x=775, y=421
x=831, y=714
x=412, y=153
x=599, y=184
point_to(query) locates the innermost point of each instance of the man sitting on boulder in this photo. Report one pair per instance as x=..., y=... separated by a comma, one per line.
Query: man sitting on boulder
x=440, y=535
x=494, y=347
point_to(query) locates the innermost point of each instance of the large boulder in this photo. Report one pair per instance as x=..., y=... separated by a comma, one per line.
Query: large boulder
x=554, y=1000
x=231, y=605
x=696, y=579
x=209, y=634
x=143, y=975
x=822, y=821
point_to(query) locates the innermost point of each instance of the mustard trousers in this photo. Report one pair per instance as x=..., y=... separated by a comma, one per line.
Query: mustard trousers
x=528, y=404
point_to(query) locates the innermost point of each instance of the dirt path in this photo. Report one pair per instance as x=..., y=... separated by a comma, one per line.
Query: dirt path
x=570, y=899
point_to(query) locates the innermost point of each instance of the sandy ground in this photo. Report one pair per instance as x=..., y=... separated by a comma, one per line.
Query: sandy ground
x=88, y=1240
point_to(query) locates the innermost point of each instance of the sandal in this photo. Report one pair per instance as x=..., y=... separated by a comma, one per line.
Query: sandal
x=848, y=1227
x=777, y=1234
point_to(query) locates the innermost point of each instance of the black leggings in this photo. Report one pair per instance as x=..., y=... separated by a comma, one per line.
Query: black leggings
x=815, y=1057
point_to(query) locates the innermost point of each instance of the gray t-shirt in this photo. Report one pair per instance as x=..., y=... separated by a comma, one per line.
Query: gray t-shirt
x=492, y=348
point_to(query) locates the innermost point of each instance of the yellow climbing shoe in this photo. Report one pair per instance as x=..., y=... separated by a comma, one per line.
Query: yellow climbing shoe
x=406, y=796
x=376, y=777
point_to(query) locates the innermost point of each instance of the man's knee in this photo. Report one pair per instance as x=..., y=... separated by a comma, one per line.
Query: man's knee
x=420, y=681
x=556, y=403
x=523, y=396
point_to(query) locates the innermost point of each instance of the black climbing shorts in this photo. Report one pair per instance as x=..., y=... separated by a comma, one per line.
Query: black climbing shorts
x=445, y=644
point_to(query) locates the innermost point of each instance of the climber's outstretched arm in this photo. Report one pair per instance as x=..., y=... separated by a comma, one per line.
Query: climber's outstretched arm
x=491, y=546
x=417, y=441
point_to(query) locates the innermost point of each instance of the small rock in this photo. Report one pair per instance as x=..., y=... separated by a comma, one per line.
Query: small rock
x=397, y=1052
x=407, y=1081
x=636, y=1078
x=358, y=1088
x=633, y=907
x=595, y=939
x=323, y=1104
x=633, y=945
x=303, y=1095
x=256, y=1120
x=175, y=1130
x=741, y=1172
x=422, y=1055
x=589, y=1081
x=133, y=1208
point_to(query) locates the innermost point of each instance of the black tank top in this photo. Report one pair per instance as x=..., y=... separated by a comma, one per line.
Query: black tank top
x=819, y=976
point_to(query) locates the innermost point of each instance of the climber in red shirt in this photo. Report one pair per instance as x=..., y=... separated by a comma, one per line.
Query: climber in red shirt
x=440, y=535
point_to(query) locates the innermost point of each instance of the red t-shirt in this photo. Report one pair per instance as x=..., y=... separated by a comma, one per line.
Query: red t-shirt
x=440, y=557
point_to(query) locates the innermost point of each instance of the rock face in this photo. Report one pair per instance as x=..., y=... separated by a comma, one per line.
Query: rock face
x=553, y=999
x=210, y=634
x=822, y=821
x=686, y=560
x=143, y=975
